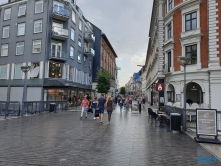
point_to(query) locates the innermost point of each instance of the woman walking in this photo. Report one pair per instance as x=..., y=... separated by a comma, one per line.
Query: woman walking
x=84, y=107
x=121, y=103
x=94, y=105
x=109, y=106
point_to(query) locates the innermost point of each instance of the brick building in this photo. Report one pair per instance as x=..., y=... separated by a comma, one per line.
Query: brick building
x=185, y=28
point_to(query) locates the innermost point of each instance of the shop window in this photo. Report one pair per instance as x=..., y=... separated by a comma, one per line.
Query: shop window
x=55, y=69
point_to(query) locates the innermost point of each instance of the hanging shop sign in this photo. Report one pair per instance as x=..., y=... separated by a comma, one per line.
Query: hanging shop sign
x=159, y=87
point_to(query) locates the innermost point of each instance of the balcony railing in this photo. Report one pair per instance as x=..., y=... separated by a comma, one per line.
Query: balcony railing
x=60, y=13
x=57, y=54
x=89, y=51
x=59, y=33
x=166, y=68
x=89, y=37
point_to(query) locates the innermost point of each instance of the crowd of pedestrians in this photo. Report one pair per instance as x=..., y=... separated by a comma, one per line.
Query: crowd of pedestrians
x=97, y=106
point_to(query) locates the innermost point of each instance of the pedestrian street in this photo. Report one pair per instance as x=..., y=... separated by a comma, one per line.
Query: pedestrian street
x=62, y=139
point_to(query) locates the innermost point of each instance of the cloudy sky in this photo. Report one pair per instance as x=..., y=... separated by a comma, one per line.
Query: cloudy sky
x=126, y=24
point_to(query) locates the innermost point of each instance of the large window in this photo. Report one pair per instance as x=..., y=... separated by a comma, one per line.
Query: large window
x=18, y=71
x=80, y=25
x=39, y=6
x=20, y=48
x=3, y=71
x=191, y=52
x=4, y=50
x=79, y=40
x=36, y=46
x=191, y=21
x=79, y=57
x=71, y=73
x=37, y=26
x=72, y=34
x=73, y=16
x=22, y=10
x=7, y=14
x=21, y=29
x=72, y=52
x=55, y=69
x=35, y=70
x=169, y=60
x=170, y=4
x=5, y=32
x=169, y=31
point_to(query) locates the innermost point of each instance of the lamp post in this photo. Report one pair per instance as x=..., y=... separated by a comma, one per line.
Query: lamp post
x=25, y=69
x=183, y=61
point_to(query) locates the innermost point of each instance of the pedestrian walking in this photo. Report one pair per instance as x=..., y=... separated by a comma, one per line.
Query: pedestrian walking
x=109, y=106
x=101, y=104
x=94, y=105
x=84, y=107
x=121, y=103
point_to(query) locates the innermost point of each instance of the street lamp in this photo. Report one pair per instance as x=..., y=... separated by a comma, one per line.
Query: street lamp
x=25, y=69
x=183, y=61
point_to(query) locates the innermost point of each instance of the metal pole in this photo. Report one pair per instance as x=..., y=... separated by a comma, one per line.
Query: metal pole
x=184, y=100
x=24, y=94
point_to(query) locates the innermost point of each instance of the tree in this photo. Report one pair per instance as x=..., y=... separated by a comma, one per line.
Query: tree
x=123, y=90
x=103, y=81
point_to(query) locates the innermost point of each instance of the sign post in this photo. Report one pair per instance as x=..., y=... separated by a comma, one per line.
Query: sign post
x=206, y=124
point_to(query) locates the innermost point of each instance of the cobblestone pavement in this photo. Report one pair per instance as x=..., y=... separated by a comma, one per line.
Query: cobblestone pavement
x=63, y=139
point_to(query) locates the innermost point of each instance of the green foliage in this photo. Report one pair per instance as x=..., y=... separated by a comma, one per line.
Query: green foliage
x=123, y=90
x=103, y=81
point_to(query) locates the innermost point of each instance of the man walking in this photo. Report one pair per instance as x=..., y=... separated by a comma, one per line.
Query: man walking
x=100, y=105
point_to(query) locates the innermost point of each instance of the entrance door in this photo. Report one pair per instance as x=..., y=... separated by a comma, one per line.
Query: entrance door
x=56, y=49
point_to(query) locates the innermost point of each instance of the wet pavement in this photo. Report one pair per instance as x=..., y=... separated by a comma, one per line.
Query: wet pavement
x=63, y=139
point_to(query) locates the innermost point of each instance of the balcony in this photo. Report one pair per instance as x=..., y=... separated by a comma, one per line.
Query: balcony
x=59, y=13
x=58, y=55
x=89, y=37
x=59, y=33
x=89, y=51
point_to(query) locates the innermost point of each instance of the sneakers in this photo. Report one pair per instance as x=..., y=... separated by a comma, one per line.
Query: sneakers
x=94, y=117
x=101, y=122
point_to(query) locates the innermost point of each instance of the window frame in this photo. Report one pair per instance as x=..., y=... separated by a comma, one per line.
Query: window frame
x=80, y=25
x=38, y=2
x=17, y=47
x=169, y=60
x=72, y=57
x=19, y=7
x=72, y=30
x=9, y=15
x=85, y=60
x=15, y=71
x=2, y=49
x=18, y=28
x=41, y=25
x=3, y=28
x=5, y=65
x=73, y=20
x=170, y=5
x=191, y=52
x=191, y=20
x=33, y=46
x=79, y=40
x=169, y=30
x=79, y=55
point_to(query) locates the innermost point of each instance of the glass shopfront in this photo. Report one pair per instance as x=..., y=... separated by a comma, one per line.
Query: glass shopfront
x=56, y=95
x=55, y=69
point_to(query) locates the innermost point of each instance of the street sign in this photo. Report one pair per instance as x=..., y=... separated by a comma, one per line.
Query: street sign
x=159, y=87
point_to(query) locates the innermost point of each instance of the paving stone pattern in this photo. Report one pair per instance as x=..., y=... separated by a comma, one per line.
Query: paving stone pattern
x=63, y=139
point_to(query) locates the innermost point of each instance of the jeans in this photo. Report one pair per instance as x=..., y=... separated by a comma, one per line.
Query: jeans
x=93, y=109
x=109, y=116
x=121, y=107
x=82, y=111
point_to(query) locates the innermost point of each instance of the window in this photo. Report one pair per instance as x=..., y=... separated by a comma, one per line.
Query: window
x=72, y=52
x=56, y=50
x=191, y=52
x=18, y=71
x=80, y=25
x=38, y=6
x=191, y=21
x=55, y=69
x=35, y=69
x=36, y=46
x=21, y=29
x=20, y=48
x=73, y=16
x=169, y=30
x=22, y=10
x=79, y=57
x=5, y=32
x=4, y=50
x=79, y=40
x=169, y=60
x=72, y=34
x=37, y=26
x=170, y=4
x=3, y=71
x=85, y=60
x=7, y=14
x=89, y=64
x=71, y=73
